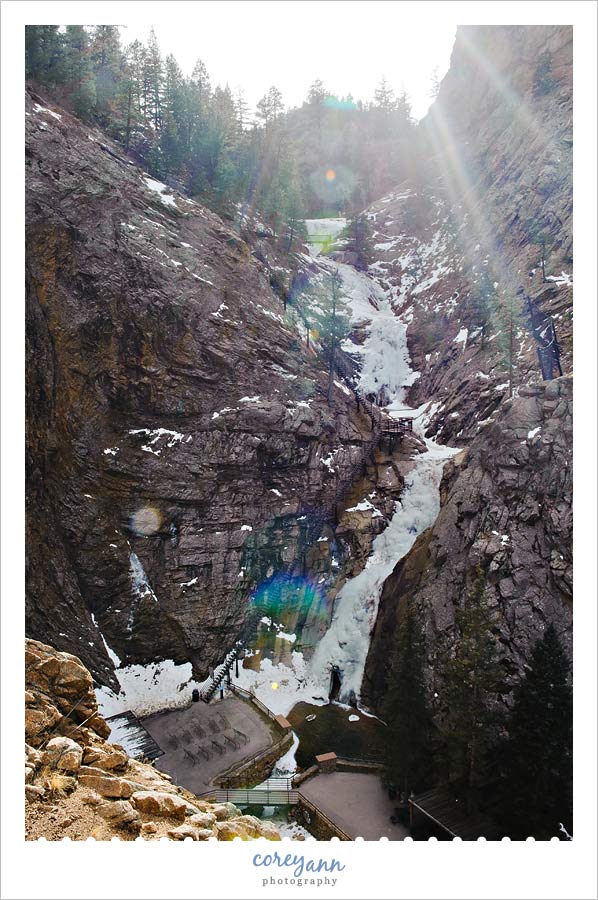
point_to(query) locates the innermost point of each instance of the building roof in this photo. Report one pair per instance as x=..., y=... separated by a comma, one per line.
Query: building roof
x=450, y=813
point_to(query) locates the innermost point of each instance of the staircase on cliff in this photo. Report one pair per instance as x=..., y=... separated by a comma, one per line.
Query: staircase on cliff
x=211, y=685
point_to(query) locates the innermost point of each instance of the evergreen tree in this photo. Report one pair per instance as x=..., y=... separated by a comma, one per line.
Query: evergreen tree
x=78, y=70
x=270, y=107
x=408, y=751
x=384, y=97
x=241, y=110
x=332, y=321
x=153, y=77
x=544, y=81
x=106, y=58
x=358, y=238
x=506, y=318
x=472, y=677
x=536, y=758
x=484, y=302
x=43, y=53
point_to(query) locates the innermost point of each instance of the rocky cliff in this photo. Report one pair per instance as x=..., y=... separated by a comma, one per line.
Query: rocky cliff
x=484, y=223
x=78, y=785
x=506, y=513
x=180, y=449
x=478, y=236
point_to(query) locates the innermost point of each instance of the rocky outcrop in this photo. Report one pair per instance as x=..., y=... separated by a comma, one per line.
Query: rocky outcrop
x=78, y=785
x=181, y=452
x=506, y=512
x=480, y=233
x=460, y=243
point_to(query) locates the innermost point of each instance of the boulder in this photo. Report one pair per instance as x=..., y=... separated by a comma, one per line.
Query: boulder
x=119, y=813
x=202, y=819
x=109, y=758
x=182, y=832
x=160, y=803
x=108, y=787
x=63, y=754
x=224, y=811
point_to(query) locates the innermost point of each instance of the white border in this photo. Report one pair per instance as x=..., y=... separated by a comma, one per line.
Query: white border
x=407, y=869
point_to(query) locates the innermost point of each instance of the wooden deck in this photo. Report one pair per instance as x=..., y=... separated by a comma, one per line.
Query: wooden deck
x=450, y=814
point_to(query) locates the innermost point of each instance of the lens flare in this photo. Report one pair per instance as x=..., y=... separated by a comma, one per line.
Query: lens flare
x=283, y=597
x=146, y=520
x=334, y=185
x=274, y=685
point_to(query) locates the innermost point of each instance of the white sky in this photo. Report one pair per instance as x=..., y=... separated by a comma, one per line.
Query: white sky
x=348, y=44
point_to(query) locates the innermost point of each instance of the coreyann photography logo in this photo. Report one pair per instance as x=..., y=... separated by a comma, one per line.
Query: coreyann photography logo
x=298, y=870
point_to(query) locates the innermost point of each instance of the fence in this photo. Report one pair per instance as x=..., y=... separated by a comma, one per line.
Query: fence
x=249, y=695
x=276, y=792
x=272, y=792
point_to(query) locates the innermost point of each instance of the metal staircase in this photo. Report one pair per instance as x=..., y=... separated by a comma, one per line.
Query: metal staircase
x=211, y=685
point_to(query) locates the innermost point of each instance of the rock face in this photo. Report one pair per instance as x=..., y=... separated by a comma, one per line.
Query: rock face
x=125, y=798
x=180, y=445
x=506, y=511
x=460, y=244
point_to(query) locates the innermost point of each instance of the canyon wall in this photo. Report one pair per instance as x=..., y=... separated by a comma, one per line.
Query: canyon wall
x=460, y=247
x=181, y=453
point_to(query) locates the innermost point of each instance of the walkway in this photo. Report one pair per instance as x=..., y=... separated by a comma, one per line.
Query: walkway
x=356, y=803
x=199, y=730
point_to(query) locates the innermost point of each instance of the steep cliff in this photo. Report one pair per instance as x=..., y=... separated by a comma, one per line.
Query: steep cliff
x=181, y=452
x=479, y=236
x=460, y=244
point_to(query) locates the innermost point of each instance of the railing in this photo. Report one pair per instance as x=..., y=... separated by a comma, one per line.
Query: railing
x=206, y=692
x=273, y=792
x=249, y=695
x=248, y=763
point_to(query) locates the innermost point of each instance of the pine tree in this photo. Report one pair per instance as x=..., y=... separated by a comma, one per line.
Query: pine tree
x=153, y=81
x=241, y=110
x=106, y=58
x=358, y=237
x=543, y=81
x=384, y=97
x=43, y=53
x=484, y=303
x=408, y=752
x=472, y=677
x=270, y=107
x=507, y=315
x=536, y=758
x=78, y=71
x=332, y=321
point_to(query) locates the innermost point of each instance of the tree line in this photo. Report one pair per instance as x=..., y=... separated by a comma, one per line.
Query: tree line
x=516, y=764
x=331, y=155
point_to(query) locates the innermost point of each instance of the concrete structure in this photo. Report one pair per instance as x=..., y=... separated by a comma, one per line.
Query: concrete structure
x=199, y=741
x=355, y=802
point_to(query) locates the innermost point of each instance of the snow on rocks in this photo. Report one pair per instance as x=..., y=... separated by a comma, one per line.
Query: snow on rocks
x=44, y=109
x=161, y=189
x=155, y=435
x=147, y=688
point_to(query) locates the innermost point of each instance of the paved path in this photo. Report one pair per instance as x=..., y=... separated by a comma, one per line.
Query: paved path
x=357, y=803
x=186, y=724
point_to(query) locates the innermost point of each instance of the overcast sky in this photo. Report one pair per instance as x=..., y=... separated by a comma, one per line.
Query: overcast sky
x=348, y=44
